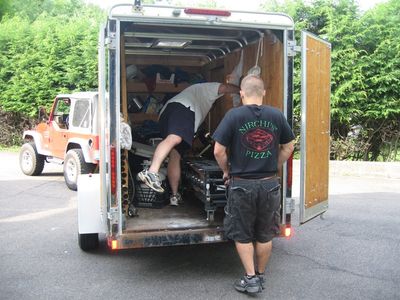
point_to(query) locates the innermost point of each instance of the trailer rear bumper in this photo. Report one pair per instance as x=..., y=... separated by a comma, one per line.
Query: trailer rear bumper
x=131, y=240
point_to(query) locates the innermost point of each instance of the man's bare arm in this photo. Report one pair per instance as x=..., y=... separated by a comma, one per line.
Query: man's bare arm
x=285, y=150
x=222, y=159
x=227, y=88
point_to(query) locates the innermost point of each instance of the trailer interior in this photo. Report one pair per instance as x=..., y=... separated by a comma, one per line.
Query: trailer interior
x=158, y=59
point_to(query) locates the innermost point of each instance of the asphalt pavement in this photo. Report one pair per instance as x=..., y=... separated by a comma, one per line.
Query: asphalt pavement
x=352, y=253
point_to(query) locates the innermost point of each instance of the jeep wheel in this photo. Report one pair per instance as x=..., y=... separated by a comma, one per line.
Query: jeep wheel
x=30, y=161
x=74, y=165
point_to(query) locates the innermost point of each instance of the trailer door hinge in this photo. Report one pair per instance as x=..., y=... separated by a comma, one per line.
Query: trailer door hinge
x=292, y=48
x=111, y=42
x=290, y=205
x=113, y=215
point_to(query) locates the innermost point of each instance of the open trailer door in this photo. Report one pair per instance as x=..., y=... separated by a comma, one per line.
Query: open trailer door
x=315, y=126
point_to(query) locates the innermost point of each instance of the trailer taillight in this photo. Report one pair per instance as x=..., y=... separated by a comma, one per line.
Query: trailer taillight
x=114, y=244
x=96, y=142
x=288, y=231
x=207, y=12
x=113, y=159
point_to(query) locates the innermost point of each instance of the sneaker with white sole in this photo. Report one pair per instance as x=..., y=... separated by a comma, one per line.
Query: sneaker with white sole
x=152, y=180
x=250, y=285
x=175, y=199
x=262, y=279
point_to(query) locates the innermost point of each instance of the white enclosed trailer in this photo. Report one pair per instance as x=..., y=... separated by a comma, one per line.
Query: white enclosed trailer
x=213, y=44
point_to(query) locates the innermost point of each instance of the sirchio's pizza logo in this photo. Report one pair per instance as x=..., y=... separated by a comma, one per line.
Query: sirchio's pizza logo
x=258, y=138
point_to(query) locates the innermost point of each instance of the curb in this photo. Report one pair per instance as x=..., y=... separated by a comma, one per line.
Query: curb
x=361, y=168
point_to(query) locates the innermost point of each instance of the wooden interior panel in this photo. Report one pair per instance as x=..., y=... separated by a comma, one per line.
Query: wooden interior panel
x=249, y=58
x=218, y=109
x=271, y=63
x=317, y=122
x=272, y=71
x=230, y=61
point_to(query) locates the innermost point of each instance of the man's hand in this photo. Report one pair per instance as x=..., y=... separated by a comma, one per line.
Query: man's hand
x=225, y=178
x=222, y=159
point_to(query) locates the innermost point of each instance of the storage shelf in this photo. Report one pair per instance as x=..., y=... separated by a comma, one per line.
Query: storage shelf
x=140, y=87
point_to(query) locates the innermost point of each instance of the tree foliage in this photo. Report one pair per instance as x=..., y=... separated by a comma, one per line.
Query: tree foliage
x=365, y=70
x=46, y=52
x=34, y=8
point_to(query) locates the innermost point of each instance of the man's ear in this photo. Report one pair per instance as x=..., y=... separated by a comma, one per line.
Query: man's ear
x=241, y=94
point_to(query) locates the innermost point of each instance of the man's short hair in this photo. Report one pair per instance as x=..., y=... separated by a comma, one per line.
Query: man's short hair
x=252, y=86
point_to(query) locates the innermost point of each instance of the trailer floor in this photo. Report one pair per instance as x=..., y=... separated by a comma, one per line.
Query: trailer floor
x=189, y=215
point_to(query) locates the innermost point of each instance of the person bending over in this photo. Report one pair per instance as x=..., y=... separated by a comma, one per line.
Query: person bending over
x=179, y=120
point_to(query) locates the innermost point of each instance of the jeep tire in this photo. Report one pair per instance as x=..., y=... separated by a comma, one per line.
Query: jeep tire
x=30, y=161
x=74, y=164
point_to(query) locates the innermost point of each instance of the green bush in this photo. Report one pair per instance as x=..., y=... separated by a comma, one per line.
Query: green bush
x=365, y=72
x=51, y=54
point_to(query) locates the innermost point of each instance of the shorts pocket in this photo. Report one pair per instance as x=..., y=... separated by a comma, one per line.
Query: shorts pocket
x=274, y=198
x=228, y=214
x=232, y=212
x=228, y=224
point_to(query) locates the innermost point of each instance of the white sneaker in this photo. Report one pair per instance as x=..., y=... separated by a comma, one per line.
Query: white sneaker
x=175, y=199
x=152, y=180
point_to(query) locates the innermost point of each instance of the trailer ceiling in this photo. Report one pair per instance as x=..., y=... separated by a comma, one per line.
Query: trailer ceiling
x=199, y=43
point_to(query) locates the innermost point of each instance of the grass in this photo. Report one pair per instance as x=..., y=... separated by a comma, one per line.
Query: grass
x=10, y=148
x=383, y=159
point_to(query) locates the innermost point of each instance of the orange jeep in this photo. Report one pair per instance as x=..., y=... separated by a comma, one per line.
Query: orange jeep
x=68, y=135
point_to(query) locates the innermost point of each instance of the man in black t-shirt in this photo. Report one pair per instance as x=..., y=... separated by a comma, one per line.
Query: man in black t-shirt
x=259, y=140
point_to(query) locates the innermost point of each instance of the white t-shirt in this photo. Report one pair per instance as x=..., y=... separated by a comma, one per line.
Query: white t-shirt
x=198, y=98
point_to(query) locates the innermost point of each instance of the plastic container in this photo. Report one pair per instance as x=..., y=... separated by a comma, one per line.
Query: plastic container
x=146, y=197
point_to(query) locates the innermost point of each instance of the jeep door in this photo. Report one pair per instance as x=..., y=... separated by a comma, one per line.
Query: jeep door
x=58, y=127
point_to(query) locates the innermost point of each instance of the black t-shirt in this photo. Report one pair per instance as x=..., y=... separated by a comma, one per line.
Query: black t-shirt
x=252, y=134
